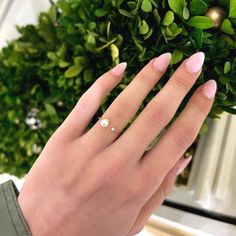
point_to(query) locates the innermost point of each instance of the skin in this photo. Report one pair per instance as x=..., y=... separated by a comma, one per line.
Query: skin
x=97, y=182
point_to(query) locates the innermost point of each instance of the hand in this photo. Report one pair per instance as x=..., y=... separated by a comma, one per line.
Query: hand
x=100, y=183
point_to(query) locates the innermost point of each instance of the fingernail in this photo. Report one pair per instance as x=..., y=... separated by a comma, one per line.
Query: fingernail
x=162, y=62
x=119, y=69
x=209, y=89
x=182, y=164
x=195, y=62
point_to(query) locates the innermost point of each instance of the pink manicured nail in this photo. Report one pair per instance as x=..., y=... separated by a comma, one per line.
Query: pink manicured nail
x=209, y=89
x=195, y=62
x=119, y=69
x=162, y=62
x=182, y=164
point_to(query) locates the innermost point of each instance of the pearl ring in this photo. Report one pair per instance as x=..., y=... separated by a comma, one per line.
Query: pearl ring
x=105, y=123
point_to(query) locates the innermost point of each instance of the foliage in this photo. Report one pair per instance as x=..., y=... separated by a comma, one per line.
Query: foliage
x=45, y=71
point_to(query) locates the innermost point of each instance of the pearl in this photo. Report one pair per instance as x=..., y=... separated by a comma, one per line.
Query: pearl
x=104, y=122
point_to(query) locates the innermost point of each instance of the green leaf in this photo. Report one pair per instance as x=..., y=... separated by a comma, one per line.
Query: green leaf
x=227, y=27
x=73, y=71
x=232, y=89
x=132, y=5
x=177, y=56
x=88, y=75
x=144, y=28
x=157, y=16
x=50, y=109
x=168, y=18
x=186, y=13
x=198, y=7
x=197, y=35
x=146, y=6
x=148, y=34
x=232, y=9
x=114, y=52
x=63, y=64
x=80, y=61
x=227, y=67
x=91, y=39
x=177, y=6
x=201, y=22
x=100, y=12
x=125, y=13
x=173, y=30
x=223, y=79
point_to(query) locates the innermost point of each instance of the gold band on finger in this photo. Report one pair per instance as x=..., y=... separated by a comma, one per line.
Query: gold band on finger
x=114, y=130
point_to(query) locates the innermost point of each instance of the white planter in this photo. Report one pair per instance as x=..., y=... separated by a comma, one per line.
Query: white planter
x=212, y=177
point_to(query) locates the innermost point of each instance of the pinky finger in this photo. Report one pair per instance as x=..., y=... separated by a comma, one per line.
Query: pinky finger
x=159, y=196
x=79, y=118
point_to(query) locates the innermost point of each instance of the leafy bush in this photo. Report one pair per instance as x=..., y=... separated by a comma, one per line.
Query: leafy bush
x=45, y=71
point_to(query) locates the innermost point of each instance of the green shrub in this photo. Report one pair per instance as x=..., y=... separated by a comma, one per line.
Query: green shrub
x=45, y=71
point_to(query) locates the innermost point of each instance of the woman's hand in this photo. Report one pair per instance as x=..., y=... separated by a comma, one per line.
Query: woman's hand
x=100, y=183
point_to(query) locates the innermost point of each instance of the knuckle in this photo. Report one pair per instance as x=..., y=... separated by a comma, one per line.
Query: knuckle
x=144, y=73
x=164, y=191
x=102, y=86
x=145, y=212
x=146, y=77
x=158, y=114
x=184, y=136
x=200, y=106
x=134, y=191
x=136, y=230
x=122, y=109
x=181, y=82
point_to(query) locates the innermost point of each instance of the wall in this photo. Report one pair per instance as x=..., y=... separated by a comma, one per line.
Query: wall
x=18, y=12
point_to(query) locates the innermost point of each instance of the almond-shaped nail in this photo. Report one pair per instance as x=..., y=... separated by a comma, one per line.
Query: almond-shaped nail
x=209, y=89
x=119, y=69
x=195, y=62
x=182, y=164
x=162, y=62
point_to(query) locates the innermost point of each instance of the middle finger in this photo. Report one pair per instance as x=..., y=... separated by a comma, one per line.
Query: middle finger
x=158, y=113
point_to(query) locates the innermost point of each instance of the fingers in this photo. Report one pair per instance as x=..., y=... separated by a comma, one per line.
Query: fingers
x=159, y=196
x=162, y=107
x=128, y=102
x=179, y=136
x=88, y=104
